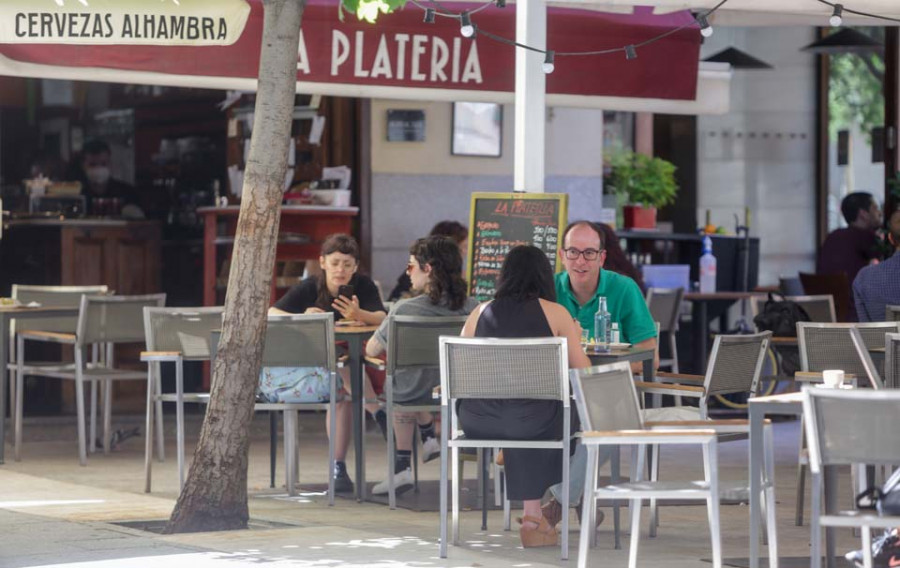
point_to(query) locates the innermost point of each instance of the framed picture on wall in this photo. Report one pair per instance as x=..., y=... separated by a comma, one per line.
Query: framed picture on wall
x=477, y=129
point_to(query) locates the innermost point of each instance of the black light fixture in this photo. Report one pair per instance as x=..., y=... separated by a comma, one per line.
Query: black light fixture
x=738, y=59
x=847, y=40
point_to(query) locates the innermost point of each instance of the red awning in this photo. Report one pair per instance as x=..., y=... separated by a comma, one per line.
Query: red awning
x=402, y=51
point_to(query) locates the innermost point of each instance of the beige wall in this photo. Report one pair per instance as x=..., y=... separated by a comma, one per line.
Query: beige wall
x=574, y=143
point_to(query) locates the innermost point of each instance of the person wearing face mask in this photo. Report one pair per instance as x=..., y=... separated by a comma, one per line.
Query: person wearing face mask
x=105, y=195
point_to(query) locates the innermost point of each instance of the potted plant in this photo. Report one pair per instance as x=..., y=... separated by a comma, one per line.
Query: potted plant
x=643, y=183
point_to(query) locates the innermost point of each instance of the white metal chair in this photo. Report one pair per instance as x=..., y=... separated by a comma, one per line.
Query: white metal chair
x=734, y=368
x=825, y=346
x=608, y=405
x=849, y=427
x=300, y=340
x=665, y=307
x=490, y=368
x=820, y=308
x=412, y=344
x=103, y=321
x=173, y=335
x=57, y=297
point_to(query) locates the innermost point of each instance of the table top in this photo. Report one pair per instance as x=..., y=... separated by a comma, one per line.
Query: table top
x=631, y=352
x=783, y=398
x=711, y=296
x=783, y=341
x=354, y=329
x=38, y=310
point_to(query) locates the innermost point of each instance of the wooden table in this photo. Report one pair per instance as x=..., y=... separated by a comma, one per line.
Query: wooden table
x=355, y=336
x=700, y=319
x=20, y=313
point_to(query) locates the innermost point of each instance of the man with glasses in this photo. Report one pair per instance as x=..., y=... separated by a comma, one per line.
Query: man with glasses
x=584, y=282
x=578, y=289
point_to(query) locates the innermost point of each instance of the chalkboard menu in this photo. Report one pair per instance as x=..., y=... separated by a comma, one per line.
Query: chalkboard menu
x=500, y=221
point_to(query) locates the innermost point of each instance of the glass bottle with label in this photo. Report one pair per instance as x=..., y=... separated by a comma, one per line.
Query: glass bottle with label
x=601, y=325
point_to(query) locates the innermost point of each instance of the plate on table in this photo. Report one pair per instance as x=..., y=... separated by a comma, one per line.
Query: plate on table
x=348, y=323
x=619, y=346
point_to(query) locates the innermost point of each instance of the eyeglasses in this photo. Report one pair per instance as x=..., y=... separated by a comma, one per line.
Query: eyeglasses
x=409, y=267
x=589, y=254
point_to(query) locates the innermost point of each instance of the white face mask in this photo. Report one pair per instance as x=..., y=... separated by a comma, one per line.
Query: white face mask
x=98, y=175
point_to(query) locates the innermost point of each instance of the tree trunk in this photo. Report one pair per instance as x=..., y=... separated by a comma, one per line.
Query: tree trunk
x=215, y=493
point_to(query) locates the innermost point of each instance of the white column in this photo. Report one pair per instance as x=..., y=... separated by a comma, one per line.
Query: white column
x=531, y=29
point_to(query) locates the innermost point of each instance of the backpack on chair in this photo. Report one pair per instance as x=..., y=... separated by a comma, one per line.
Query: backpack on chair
x=780, y=317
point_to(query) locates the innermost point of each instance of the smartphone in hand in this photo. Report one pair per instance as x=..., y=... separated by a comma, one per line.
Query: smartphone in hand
x=346, y=291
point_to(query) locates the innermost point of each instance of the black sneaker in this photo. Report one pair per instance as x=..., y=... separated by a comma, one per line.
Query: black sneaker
x=342, y=483
x=381, y=419
x=885, y=552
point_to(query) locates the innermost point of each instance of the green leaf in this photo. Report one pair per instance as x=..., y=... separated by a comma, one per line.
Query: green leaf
x=368, y=10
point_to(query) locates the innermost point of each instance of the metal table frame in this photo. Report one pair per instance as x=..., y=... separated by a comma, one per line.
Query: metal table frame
x=355, y=336
x=789, y=404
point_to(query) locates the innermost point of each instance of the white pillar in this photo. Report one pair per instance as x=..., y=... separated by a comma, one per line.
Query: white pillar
x=531, y=29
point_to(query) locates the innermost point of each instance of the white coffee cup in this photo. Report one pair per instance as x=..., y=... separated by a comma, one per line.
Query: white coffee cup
x=833, y=378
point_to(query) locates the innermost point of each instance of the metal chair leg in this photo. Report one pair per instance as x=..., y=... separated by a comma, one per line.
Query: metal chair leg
x=273, y=446
x=711, y=465
x=148, y=428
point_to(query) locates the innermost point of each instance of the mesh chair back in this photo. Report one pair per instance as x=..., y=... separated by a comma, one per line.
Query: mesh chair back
x=665, y=306
x=892, y=361
x=54, y=297
x=892, y=313
x=606, y=398
x=114, y=319
x=534, y=368
x=829, y=346
x=851, y=426
x=302, y=340
x=186, y=330
x=819, y=308
x=736, y=362
x=413, y=341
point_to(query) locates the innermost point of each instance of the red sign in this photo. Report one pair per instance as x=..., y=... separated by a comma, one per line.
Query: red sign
x=400, y=50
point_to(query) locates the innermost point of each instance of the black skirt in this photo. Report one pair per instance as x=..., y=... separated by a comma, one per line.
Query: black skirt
x=529, y=472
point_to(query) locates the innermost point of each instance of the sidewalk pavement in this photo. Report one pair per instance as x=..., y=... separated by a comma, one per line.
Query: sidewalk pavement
x=55, y=513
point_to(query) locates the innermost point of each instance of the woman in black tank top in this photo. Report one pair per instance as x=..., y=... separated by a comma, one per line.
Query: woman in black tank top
x=526, y=279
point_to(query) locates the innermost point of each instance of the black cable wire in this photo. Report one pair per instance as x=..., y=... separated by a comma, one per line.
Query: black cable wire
x=858, y=13
x=442, y=10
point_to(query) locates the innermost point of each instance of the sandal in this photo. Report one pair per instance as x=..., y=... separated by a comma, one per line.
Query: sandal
x=542, y=535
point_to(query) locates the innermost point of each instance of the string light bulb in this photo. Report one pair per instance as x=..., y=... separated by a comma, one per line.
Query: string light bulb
x=836, y=20
x=548, y=65
x=630, y=52
x=706, y=30
x=501, y=3
x=465, y=25
x=429, y=15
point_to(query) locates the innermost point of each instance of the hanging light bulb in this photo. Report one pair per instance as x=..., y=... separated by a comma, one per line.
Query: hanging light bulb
x=705, y=29
x=501, y=3
x=548, y=62
x=429, y=15
x=465, y=25
x=836, y=20
x=630, y=52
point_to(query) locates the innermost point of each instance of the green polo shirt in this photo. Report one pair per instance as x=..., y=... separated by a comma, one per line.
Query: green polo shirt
x=624, y=301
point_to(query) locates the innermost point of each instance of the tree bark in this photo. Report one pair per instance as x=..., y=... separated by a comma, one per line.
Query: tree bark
x=215, y=492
